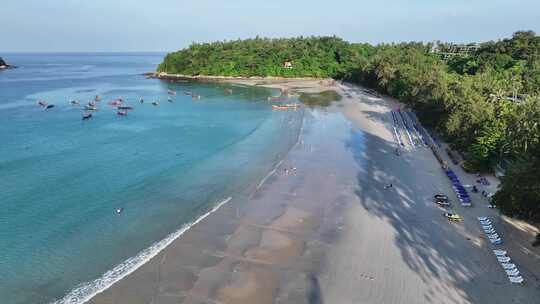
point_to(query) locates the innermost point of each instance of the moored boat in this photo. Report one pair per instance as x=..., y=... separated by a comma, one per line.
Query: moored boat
x=292, y=106
x=275, y=107
x=115, y=102
x=86, y=116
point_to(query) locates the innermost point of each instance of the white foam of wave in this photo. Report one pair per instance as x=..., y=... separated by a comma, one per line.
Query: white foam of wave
x=270, y=174
x=87, y=291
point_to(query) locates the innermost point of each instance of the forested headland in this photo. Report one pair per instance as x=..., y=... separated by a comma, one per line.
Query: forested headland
x=484, y=102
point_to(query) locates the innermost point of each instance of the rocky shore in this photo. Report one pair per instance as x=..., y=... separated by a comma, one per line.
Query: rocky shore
x=4, y=65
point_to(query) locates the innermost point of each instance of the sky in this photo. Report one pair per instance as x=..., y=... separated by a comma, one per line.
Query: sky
x=169, y=25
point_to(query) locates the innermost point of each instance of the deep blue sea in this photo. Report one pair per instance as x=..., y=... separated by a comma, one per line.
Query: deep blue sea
x=62, y=178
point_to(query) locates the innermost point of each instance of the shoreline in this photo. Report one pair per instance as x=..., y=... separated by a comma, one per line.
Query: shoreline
x=87, y=291
x=172, y=77
x=284, y=84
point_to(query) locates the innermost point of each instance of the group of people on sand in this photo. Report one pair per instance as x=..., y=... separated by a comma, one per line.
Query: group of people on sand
x=289, y=171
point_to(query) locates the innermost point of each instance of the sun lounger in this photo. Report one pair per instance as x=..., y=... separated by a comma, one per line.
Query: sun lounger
x=513, y=272
x=516, y=280
x=499, y=252
x=482, y=218
x=508, y=266
x=496, y=241
x=503, y=259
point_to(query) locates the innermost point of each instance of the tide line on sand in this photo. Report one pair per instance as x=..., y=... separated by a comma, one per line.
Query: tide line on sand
x=86, y=291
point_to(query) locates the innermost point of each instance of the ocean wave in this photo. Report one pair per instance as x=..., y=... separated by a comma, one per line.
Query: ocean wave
x=86, y=291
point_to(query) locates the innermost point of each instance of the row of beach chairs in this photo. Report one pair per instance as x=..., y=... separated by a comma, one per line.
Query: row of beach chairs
x=418, y=128
x=509, y=268
x=396, y=133
x=461, y=192
x=490, y=231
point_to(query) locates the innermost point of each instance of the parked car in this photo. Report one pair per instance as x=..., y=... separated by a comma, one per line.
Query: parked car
x=441, y=197
x=453, y=217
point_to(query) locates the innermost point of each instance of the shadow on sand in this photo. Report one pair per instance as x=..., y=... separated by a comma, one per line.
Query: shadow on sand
x=429, y=245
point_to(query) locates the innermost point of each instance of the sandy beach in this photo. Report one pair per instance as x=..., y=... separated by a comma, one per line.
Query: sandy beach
x=323, y=228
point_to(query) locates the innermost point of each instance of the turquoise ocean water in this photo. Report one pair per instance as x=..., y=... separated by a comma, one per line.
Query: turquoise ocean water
x=62, y=178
